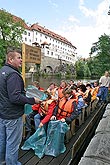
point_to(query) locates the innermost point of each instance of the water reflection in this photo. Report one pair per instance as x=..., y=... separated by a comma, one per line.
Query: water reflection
x=44, y=82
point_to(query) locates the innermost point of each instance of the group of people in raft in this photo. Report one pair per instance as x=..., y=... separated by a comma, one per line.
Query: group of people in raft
x=64, y=103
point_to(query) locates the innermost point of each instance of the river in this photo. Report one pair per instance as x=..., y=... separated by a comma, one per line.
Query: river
x=44, y=82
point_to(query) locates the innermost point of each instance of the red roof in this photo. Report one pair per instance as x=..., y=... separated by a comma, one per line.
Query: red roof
x=50, y=33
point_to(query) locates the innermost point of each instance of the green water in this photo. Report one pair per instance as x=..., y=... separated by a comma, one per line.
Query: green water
x=44, y=82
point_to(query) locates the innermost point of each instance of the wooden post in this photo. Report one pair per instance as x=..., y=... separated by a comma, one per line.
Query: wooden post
x=23, y=62
x=23, y=76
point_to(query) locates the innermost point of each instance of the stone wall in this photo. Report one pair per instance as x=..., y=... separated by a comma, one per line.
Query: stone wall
x=49, y=64
x=52, y=65
x=98, y=151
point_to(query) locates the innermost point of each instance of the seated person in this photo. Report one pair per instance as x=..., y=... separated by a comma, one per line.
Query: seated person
x=62, y=86
x=45, y=111
x=94, y=91
x=87, y=94
x=79, y=97
x=53, y=90
x=66, y=110
x=36, y=84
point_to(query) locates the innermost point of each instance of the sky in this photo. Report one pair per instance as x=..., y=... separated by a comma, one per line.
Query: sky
x=81, y=22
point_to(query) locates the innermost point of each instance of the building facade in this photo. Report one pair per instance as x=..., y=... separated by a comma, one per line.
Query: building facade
x=57, y=51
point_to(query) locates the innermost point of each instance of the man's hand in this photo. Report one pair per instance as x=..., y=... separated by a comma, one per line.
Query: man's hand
x=37, y=100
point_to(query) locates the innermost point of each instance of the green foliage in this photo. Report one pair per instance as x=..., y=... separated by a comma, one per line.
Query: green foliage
x=11, y=33
x=87, y=72
x=82, y=68
x=99, y=63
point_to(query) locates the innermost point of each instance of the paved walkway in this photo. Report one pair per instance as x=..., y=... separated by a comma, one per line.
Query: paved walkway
x=98, y=151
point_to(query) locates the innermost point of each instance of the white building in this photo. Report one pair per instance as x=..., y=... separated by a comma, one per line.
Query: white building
x=52, y=44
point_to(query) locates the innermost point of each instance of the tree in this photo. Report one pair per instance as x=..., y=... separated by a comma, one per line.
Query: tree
x=100, y=62
x=11, y=30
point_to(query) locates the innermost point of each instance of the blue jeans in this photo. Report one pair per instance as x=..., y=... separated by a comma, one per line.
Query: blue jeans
x=37, y=120
x=103, y=93
x=10, y=138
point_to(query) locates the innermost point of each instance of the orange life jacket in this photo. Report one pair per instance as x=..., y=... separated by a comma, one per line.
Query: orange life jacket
x=60, y=94
x=44, y=106
x=94, y=92
x=65, y=108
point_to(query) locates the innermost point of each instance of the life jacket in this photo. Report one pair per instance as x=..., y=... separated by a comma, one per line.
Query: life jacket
x=94, y=92
x=65, y=108
x=44, y=106
x=60, y=94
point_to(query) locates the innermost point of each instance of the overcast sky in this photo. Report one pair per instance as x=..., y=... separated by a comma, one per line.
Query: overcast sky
x=80, y=21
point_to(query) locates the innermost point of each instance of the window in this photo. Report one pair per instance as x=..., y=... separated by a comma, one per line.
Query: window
x=47, y=52
x=52, y=53
x=28, y=33
x=25, y=39
x=36, y=33
x=25, y=32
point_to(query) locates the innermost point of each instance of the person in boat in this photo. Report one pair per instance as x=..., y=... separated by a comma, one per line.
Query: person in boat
x=87, y=94
x=37, y=84
x=30, y=117
x=94, y=91
x=66, y=110
x=53, y=90
x=12, y=101
x=45, y=111
x=62, y=86
x=79, y=97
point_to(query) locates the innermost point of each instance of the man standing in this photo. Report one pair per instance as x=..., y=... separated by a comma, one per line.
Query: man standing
x=104, y=83
x=12, y=101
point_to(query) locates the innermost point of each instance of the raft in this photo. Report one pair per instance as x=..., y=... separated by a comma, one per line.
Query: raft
x=76, y=139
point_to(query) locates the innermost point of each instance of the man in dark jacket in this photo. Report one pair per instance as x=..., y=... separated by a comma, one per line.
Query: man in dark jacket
x=12, y=101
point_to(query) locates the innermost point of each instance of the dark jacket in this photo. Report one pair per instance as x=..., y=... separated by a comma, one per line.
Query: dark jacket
x=12, y=93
